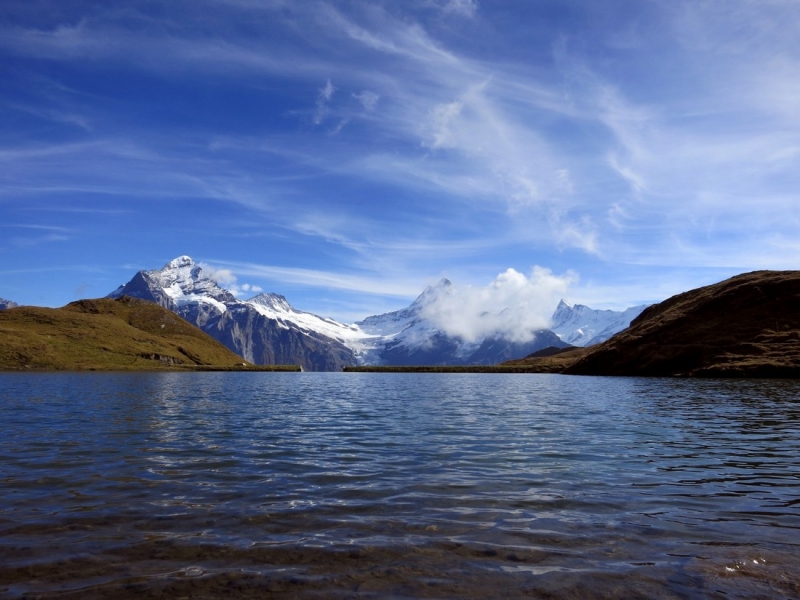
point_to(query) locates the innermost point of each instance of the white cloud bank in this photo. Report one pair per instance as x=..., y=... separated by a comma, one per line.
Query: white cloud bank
x=513, y=305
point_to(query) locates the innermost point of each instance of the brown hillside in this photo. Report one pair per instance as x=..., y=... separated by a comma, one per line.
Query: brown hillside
x=126, y=333
x=746, y=326
x=549, y=362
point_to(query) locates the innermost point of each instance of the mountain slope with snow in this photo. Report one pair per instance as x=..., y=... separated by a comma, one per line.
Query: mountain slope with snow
x=410, y=337
x=267, y=329
x=580, y=325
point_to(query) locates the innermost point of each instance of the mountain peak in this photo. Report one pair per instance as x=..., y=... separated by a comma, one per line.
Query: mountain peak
x=179, y=282
x=274, y=301
x=443, y=285
x=580, y=325
x=562, y=314
x=177, y=263
x=185, y=273
x=265, y=329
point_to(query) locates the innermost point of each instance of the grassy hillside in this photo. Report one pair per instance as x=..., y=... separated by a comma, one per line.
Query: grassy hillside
x=122, y=334
x=549, y=363
x=746, y=326
x=503, y=368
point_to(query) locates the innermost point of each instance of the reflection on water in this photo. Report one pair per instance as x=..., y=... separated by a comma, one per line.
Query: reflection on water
x=375, y=485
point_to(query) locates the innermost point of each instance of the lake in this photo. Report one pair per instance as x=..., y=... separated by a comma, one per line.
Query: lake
x=387, y=485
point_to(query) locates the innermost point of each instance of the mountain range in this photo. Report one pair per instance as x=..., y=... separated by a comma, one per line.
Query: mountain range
x=580, y=325
x=266, y=329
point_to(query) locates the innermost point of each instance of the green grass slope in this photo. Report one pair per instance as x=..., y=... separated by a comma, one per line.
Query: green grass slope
x=104, y=334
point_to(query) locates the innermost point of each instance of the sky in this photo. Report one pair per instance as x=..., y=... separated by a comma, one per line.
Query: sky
x=346, y=154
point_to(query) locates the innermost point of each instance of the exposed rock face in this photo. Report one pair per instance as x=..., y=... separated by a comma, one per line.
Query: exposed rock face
x=246, y=327
x=746, y=326
x=269, y=342
x=7, y=304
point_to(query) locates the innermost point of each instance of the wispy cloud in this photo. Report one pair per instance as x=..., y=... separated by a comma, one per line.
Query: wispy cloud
x=367, y=99
x=29, y=241
x=477, y=131
x=323, y=98
x=434, y=135
x=324, y=279
x=34, y=235
x=54, y=228
x=56, y=115
x=465, y=8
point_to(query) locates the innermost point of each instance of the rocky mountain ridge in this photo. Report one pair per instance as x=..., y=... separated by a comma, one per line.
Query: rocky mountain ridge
x=267, y=329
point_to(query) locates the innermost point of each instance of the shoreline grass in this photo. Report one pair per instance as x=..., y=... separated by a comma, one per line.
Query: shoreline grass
x=442, y=369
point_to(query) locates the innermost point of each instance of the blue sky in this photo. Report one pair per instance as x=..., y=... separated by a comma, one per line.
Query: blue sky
x=347, y=153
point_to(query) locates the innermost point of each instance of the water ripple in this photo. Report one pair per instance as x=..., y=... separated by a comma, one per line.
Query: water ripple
x=152, y=485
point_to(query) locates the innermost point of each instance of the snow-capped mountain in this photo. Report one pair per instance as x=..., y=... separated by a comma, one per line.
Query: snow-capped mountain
x=7, y=304
x=580, y=325
x=183, y=287
x=404, y=328
x=408, y=337
x=266, y=329
x=263, y=330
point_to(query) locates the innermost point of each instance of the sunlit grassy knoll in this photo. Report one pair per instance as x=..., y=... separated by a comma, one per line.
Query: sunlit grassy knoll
x=104, y=334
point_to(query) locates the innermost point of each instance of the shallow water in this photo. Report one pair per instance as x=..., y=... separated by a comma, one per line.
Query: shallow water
x=208, y=485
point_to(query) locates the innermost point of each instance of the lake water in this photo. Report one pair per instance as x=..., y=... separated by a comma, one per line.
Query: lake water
x=369, y=485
